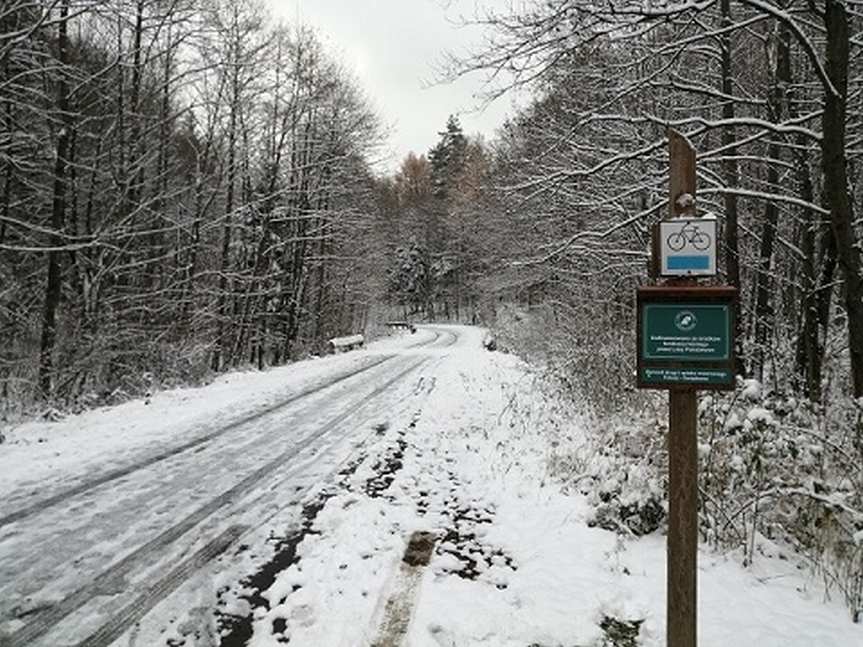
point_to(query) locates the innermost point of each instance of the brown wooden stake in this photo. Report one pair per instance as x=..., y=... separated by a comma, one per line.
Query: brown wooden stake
x=681, y=571
x=682, y=176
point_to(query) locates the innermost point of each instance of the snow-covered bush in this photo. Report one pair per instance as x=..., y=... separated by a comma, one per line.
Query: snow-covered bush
x=779, y=475
x=623, y=479
x=779, y=471
x=583, y=357
x=618, y=466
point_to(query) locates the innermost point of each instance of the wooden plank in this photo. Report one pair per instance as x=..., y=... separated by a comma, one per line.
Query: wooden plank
x=683, y=519
x=351, y=340
x=682, y=178
x=681, y=574
x=653, y=269
x=706, y=293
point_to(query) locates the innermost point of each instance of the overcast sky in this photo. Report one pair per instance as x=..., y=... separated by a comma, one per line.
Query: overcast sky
x=392, y=46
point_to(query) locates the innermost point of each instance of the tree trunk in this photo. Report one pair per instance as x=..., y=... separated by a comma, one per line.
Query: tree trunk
x=731, y=172
x=222, y=309
x=159, y=248
x=136, y=145
x=763, y=307
x=8, y=175
x=809, y=351
x=828, y=273
x=836, y=181
x=58, y=210
x=322, y=285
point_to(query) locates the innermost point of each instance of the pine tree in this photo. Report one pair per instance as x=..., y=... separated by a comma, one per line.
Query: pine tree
x=447, y=158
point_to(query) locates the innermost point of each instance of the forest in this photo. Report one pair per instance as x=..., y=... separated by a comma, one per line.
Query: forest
x=187, y=186
x=185, y=189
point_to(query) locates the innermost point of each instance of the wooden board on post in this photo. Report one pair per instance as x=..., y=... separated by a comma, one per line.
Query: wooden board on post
x=682, y=548
x=685, y=339
x=682, y=181
x=682, y=175
x=681, y=573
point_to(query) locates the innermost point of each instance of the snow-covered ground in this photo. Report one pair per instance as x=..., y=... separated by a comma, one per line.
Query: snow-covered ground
x=288, y=512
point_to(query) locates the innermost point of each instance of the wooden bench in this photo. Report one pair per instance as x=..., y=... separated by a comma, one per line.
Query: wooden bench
x=344, y=344
x=402, y=325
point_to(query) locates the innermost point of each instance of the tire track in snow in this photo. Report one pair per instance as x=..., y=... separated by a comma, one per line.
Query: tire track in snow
x=46, y=620
x=399, y=607
x=119, y=473
x=119, y=623
x=237, y=630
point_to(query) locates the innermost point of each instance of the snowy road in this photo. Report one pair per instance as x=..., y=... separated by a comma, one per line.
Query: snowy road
x=88, y=554
x=398, y=496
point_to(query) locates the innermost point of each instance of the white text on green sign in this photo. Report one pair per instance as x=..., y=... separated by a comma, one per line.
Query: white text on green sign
x=686, y=332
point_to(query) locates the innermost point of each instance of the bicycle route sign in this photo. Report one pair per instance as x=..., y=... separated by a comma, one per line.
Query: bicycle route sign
x=687, y=247
x=685, y=337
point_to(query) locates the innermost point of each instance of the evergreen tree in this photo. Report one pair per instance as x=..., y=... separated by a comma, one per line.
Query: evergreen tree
x=447, y=159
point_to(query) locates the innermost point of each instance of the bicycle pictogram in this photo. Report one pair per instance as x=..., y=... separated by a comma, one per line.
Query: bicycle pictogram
x=689, y=233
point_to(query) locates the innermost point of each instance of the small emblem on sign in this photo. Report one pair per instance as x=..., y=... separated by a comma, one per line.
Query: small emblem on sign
x=685, y=321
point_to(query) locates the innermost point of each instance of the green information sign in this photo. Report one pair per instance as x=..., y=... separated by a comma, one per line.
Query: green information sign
x=685, y=337
x=686, y=331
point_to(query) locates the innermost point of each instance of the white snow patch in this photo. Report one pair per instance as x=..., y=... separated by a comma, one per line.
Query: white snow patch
x=759, y=414
x=751, y=390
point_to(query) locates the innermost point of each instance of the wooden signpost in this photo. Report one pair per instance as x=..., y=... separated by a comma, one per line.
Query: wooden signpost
x=685, y=342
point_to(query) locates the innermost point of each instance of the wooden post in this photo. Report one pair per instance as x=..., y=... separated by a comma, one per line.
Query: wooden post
x=681, y=573
x=682, y=173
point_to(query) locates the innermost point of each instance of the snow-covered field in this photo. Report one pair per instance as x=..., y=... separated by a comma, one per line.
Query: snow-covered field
x=291, y=522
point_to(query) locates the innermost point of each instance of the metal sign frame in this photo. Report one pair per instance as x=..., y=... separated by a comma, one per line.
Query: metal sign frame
x=723, y=369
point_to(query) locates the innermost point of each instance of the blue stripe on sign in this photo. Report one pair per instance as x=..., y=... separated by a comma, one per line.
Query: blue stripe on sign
x=689, y=262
